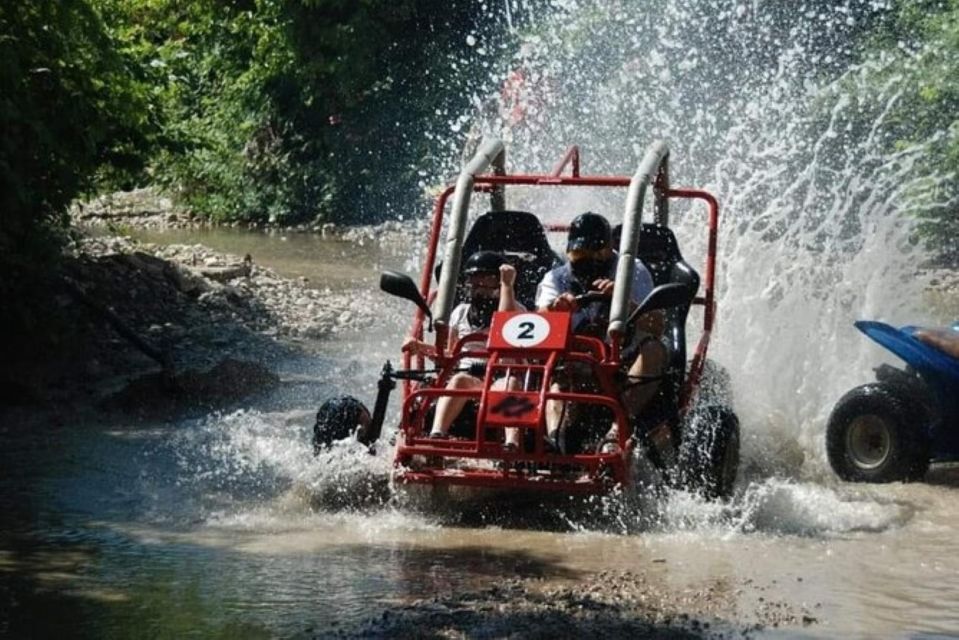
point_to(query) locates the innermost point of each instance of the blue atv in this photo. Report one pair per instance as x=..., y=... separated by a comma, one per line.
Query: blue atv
x=891, y=429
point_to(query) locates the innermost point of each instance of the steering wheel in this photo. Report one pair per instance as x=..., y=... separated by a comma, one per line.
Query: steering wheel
x=588, y=298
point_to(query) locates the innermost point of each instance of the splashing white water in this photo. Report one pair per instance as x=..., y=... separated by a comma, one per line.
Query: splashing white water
x=763, y=106
x=775, y=506
x=266, y=460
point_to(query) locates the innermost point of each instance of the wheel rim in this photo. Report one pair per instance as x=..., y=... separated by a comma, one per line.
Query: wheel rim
x=868, y=441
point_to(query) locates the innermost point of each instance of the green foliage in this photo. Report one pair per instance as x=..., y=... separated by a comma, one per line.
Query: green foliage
x=70, y=106
x=283, y=110
x=922, y=40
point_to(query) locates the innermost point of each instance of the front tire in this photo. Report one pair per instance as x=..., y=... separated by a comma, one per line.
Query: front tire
x=338, y=418
x=875, y=434
x=709, y=452
x=716, y=385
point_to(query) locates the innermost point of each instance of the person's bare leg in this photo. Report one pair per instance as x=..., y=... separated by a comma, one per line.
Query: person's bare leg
x=512, y=434
x=449, y=407
x=650, y=362
x=554, y=414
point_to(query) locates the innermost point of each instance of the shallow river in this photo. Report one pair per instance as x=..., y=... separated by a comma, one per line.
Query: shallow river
x=221, y=525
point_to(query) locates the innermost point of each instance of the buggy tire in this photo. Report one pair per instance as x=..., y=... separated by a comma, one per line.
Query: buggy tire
x=877, y=434
x=337, y=419
x=716, y=385
x=709, y=453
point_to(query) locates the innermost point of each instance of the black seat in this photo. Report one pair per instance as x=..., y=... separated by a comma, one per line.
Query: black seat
x=520, y=237
x=659, y=251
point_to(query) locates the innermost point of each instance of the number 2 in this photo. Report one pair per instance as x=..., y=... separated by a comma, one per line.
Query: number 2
x=527, y=331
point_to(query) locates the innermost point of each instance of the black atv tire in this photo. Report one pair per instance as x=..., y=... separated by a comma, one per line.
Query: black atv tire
x=715, y=385
x=876, y=434
x=709, y=452
x=337, y=419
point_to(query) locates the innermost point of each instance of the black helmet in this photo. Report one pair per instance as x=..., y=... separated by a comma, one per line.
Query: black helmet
x=483, y=263
x=588, y=231
x=338, y=418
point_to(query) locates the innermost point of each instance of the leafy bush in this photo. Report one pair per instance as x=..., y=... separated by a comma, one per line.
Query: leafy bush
x=922, y=40
x=70, y=106
x=293, y=110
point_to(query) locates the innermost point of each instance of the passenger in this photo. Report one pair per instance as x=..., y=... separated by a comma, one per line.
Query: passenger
x=489, y=282
x=591, y=266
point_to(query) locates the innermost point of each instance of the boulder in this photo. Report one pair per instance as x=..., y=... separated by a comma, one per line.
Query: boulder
x=224, y=273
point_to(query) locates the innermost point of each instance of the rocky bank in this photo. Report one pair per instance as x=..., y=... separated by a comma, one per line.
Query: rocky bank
x=141, y=326
x=610, y=605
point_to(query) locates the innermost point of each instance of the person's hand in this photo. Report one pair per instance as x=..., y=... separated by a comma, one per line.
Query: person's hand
x=410, y=345
x=416, y=347
x=604, y=286
x=565, y=302
x=507, y=274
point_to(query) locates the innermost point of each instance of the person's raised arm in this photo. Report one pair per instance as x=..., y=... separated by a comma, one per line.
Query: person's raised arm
x=507, y=292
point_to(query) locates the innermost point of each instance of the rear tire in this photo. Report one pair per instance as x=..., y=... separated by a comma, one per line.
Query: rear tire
x=709, y=452
x=875, y=434
x=338, y=418
x=716, y=385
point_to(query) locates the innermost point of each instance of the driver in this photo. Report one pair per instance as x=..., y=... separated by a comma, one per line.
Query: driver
x=591, y=266
x=489, y=285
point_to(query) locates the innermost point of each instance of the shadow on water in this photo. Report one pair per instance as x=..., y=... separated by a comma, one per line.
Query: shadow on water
x=46, y=592
x=534, y=512
x=165, y=590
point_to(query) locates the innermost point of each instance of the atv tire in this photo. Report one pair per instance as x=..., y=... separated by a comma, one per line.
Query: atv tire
x=709, y=452
x=876, y=434
x=338, y=418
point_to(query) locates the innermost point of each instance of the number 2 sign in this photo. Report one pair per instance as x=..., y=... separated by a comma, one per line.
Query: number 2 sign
x=543, y=331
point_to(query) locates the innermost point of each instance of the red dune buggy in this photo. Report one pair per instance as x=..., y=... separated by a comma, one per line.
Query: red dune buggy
x=692, y=435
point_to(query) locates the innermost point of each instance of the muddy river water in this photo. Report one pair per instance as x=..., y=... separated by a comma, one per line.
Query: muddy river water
x=224, y=525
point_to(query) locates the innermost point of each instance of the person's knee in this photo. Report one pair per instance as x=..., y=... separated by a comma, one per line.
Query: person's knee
x=651, y=359
x=463, y=381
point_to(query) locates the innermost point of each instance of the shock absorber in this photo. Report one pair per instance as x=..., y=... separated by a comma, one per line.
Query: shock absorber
x=384, y=387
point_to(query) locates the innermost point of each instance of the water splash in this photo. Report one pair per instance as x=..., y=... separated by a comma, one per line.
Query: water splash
x=767, y=106
x=784, y=507
x=248, y=464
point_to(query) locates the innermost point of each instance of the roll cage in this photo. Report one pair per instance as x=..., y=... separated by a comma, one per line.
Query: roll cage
x=486, y=173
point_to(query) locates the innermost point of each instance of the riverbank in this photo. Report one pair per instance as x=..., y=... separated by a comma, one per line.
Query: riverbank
x=138, y=326
x=150, y=210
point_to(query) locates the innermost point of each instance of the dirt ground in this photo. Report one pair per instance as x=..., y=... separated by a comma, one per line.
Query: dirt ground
x=609, y=605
